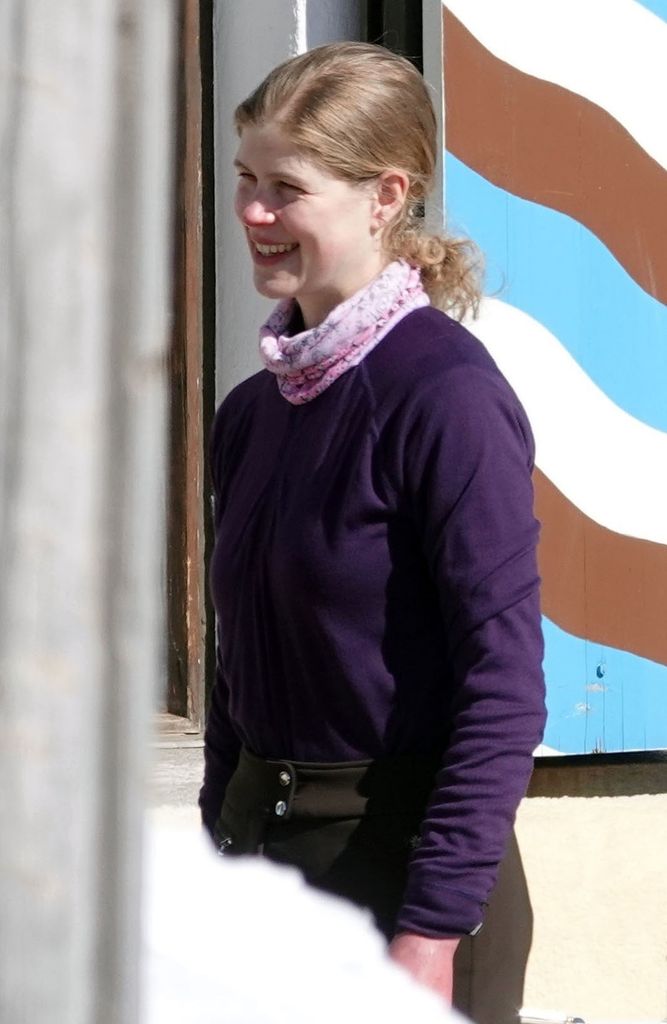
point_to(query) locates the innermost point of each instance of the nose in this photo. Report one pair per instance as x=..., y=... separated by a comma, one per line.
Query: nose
x=257, y=212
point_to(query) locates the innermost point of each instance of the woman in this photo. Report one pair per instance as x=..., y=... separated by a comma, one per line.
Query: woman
x=379, y=690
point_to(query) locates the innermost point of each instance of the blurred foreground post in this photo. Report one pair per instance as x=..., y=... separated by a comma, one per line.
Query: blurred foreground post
x=85, y=125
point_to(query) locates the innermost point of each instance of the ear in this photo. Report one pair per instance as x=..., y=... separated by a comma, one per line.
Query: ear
x=390, y=195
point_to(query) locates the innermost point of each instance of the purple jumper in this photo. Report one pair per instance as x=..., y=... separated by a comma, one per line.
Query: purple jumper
x=375, y=583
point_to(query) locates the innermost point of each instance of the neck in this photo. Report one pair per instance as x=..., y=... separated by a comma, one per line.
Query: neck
x=316, y=308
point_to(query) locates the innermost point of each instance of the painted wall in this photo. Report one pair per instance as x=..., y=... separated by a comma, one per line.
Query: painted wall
x=557, y=166
x=250, y=39
x=592, y=841
x=596, y=885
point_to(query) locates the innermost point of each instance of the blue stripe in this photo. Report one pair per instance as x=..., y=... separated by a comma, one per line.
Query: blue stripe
x=602, y=696
x=658, y=7
x=553, y=268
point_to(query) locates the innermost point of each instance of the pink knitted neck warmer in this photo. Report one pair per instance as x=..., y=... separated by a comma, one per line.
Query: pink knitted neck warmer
x=306, y=363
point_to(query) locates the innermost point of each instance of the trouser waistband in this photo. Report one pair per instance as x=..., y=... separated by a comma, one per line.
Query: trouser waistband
x=284, y=790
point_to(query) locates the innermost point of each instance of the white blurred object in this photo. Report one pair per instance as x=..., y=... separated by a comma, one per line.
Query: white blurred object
x=247, y=942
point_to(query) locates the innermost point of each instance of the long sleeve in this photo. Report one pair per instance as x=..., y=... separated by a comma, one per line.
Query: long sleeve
x=468, y=464
x=221, y=743
x=221, y=752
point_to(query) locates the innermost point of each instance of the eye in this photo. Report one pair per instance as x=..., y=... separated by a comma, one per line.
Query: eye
x=290, y=185
x=245, y=175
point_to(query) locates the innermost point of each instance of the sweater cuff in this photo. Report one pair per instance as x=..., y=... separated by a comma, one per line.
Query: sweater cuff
x=437, y=911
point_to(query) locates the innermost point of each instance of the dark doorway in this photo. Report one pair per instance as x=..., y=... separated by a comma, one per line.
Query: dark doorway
x=191, y=374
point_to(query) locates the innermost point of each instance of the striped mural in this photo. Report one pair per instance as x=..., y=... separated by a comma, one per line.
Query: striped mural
x=556, y=165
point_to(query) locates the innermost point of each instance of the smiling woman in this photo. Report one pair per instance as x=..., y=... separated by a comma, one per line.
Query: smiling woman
x=312, y=236
x=379, y=689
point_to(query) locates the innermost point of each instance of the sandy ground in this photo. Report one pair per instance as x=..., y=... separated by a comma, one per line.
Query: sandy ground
x=175, y=780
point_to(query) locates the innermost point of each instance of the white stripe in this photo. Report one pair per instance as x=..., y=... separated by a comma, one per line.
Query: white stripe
x=300, y=27
x=609, y=464
x=610, y=51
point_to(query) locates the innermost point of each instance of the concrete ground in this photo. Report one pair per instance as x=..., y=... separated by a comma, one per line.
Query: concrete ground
x=176, y=774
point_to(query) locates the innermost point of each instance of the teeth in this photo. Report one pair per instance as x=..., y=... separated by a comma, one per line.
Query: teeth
x=271, y=250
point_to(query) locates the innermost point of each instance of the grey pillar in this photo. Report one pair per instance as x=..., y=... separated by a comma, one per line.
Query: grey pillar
x=85, y=126
x=250, y=39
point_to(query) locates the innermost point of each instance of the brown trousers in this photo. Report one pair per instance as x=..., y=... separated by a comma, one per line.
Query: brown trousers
x=350, y=828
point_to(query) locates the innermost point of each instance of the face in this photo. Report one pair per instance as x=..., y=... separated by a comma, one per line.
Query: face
x=312, y=237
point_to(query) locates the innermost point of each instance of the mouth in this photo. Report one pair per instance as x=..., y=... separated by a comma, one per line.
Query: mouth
x=266, y=254
x=273, y=250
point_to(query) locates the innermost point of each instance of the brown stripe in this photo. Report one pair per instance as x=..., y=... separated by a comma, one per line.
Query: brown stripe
x=598, y=584
x=544, y=143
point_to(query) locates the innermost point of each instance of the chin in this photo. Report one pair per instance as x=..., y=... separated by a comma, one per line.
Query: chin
x=274, y=289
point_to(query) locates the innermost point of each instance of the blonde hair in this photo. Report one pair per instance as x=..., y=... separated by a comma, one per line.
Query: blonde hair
x=357, y=109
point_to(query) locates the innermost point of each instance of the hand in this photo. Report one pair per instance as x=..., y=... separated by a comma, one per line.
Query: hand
x=429, y=961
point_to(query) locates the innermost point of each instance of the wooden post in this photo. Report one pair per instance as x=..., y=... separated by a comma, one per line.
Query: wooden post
x=85, y=120
x=191, y=395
